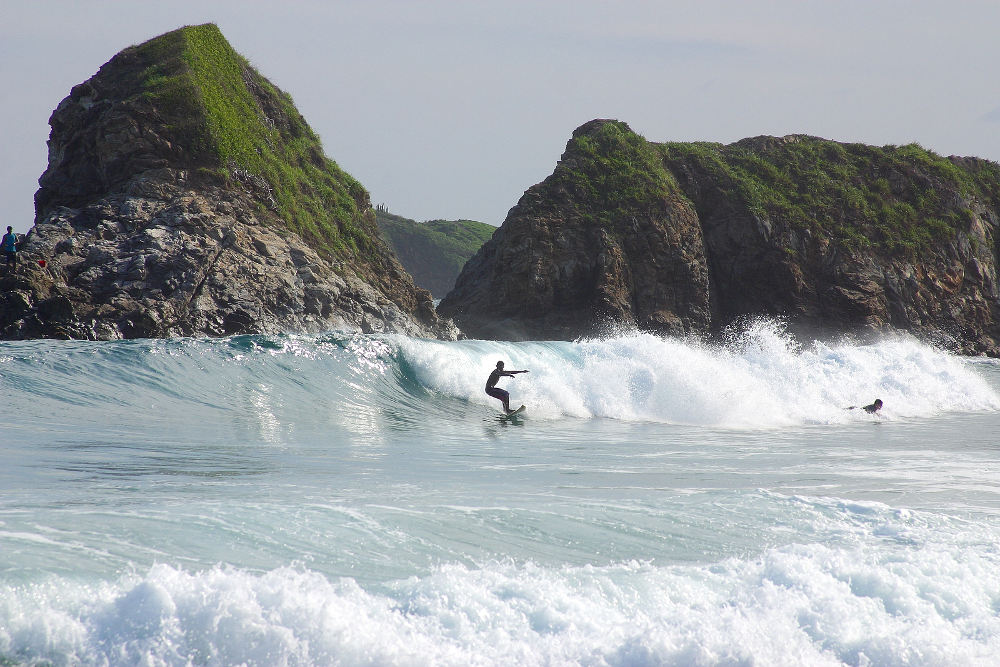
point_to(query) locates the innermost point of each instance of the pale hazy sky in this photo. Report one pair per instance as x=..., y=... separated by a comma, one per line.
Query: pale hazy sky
x=448, y=109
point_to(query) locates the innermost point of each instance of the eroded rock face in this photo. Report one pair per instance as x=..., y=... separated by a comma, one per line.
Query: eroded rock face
x=149, y=226
x=842, y=266
x=171, y=261
x=564, y=265
x=688, y=238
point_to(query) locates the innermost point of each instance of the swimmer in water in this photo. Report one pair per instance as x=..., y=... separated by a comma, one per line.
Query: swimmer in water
x=874, y=407
x=870, y=409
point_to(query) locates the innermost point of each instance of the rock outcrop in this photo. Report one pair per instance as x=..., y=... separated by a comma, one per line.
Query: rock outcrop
x=688, y=237
x=607, y=239
x=184, y=196
x=435, y=251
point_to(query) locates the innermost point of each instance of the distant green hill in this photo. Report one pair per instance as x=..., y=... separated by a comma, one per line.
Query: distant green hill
x=435, y=251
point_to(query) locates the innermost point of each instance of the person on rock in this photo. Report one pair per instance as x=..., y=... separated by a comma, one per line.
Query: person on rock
x=496, y=392
x=9, y=247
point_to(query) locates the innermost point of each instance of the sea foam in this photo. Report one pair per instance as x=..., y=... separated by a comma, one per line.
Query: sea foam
x=760, y=378
x=358, y=531
x=793, y=605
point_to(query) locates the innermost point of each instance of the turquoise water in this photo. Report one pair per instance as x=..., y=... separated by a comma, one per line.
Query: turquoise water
x=357, y=500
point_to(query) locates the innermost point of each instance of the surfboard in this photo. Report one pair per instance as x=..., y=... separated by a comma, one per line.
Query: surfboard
x=514, y=412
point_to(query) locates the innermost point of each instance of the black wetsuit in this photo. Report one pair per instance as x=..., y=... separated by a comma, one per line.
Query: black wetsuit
x=491, y=385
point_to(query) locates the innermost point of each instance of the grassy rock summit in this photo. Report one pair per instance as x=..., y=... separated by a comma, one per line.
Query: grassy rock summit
x=688, y=237
x=435, y=251
x=186, y=195
x=609, y=237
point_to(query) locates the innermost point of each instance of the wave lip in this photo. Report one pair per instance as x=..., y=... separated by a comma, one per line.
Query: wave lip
x=761, y=378
x=758, y=379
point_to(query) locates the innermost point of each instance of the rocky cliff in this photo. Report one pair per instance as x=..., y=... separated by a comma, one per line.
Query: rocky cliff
x=688, y=237
x=435, y=251
x=185, y=195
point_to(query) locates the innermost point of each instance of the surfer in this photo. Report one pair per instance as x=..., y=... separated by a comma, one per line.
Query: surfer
x=874, y=407
x=9, y=247
x=870, y=409
x=496, y=392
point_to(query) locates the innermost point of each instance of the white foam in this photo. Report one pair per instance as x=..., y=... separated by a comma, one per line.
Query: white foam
x=760, y=379
x=794, y=605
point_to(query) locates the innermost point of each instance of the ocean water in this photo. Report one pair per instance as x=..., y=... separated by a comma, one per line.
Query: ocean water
x=345, y=499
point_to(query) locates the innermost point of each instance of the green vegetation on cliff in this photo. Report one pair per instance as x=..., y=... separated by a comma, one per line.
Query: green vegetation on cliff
x=233, y=122
x=613, y=169
x=435, y=251
x=902, y=199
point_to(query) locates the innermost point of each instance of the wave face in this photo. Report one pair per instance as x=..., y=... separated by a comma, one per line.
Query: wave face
x=357, y=500
x=761, y=379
